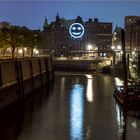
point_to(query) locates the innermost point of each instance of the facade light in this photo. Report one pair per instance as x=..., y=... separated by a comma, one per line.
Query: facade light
x=112, y=47
x=119, y=47
x=20, y=51
x=89, y=47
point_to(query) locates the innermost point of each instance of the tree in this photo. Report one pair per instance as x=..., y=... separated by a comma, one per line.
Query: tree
x=18, y=37
x=36, y=39
x=15, y=38
x=4, y=27
x=31, y=39
x=25, y=39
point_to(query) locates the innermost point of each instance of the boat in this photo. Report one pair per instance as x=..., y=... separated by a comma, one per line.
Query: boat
x=131, y=98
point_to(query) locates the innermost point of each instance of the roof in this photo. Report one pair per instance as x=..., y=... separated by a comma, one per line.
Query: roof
x=67, y=23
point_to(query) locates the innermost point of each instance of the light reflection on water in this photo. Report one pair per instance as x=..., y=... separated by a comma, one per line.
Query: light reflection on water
x=62, y=85
x=119, y=116
x=89, y=90
x=121, y=120
x=127, y=123
x=76, y=112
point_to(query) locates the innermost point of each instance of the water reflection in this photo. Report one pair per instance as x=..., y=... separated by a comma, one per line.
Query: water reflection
x=62, y=85
x=76, y=112
x=119, y=116
x=89, y=91
x=127, y=119
x=122, y=123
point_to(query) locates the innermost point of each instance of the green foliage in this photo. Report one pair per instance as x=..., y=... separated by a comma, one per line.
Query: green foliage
x=18, y=37
x=4, y=27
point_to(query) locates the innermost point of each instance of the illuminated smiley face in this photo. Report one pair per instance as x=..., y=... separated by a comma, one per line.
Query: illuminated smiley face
x=76, y=30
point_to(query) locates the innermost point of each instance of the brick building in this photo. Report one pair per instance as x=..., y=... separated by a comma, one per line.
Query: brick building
x=97, y=35
x=135, y=37
x=132, y=29
x=117, y=44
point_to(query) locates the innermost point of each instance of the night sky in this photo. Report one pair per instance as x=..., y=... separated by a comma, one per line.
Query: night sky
x=32, y=13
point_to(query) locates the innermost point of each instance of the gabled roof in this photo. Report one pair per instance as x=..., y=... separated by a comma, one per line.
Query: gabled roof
x=66, y=23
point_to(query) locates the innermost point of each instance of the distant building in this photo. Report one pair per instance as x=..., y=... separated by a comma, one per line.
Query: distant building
x=96, y=40
x=117, y=44
x=99, y=35
x=116, y=38
x=135, y=37
x=131, y=26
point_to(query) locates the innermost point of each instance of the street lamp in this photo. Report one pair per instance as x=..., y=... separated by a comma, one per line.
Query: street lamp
x=121, y=52
x=133, y=53
x=35, y=51
x=119, y=47
x=20, y=51
x=25, y=49
x=89, y=47
x=112, y=47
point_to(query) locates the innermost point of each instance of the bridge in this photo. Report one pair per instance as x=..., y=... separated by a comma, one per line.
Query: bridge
x=80, y=63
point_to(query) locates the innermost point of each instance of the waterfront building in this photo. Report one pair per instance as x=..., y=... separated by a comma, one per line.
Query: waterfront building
x=95, y=41
x=131, y=26
x=117, y=45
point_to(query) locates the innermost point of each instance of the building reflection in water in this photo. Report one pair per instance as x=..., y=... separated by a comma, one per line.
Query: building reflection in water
x=89, y=91
x=122, y=123
x=119, y=116
x=62, y=88
x=76, y=112
x=126, y=119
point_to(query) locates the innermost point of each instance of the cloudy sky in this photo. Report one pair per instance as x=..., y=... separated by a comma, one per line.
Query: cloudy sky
x=31, y=13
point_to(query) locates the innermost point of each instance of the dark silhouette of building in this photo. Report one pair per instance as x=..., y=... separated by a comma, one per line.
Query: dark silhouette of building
x=116, y=38
x=117, y=45
x=131, y=28
x=135, y=37
x=59, y=42
x=99, y=34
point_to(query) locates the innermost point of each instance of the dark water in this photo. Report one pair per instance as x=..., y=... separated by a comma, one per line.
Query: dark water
x=78, y=107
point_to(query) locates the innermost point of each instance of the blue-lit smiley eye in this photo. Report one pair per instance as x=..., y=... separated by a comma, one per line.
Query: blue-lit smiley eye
x=73, y=28
x=79, y=28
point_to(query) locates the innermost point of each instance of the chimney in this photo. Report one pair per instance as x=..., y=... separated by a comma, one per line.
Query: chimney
x=90, y=20
x=95, y=19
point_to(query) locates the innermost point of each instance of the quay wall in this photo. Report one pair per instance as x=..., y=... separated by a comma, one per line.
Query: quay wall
x=76, y=65
x=21, y=77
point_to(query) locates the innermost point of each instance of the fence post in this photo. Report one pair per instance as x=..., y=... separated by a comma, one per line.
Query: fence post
x=0, y=76
x=20, y=94
x=47, y=69
x=40, y=69
x=52, y=65
x=0, y=86
x=32, y=77
x=21, y=79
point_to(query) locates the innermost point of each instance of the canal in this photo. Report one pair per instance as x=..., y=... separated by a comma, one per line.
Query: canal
x=79, y=106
